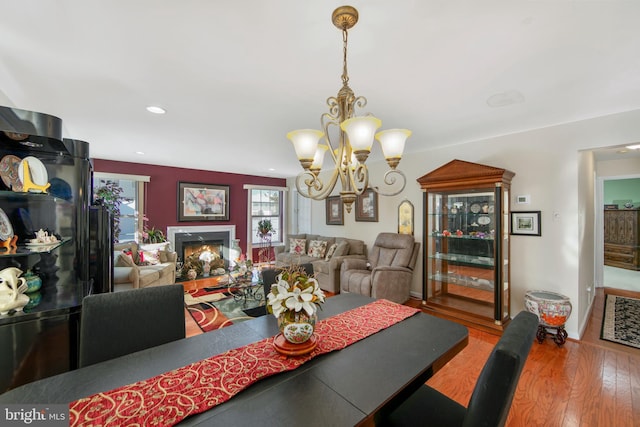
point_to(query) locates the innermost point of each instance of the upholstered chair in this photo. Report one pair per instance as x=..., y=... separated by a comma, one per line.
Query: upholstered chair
x=119, y=323
x=493, y=394
x=387, y=273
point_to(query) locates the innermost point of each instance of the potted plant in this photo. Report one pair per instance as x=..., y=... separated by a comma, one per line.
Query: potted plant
x=264, y=227
x=110, y=196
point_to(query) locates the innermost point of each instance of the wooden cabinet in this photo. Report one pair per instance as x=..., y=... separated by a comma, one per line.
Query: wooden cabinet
x=622, y=238
x=466, y=235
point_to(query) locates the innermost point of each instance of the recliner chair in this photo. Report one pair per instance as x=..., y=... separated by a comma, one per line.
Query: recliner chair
x=388, y=271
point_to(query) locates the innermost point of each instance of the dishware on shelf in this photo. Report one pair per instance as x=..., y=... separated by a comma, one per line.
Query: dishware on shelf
x=7, y=236
x=9, y=166
x=33, y=175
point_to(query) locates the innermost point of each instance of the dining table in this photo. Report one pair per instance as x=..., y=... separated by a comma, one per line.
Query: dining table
x=353, y=386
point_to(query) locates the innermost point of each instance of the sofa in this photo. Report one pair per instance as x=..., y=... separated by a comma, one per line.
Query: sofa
x=326, y=254
x=142, y=266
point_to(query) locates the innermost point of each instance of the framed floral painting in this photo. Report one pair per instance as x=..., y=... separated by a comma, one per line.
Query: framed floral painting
x=203, y=202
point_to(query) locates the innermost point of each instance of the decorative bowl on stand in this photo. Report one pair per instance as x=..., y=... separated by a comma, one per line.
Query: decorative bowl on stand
x=553, y=311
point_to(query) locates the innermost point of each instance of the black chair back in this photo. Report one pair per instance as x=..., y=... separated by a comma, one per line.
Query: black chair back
x=119, y=323
x=493, y=394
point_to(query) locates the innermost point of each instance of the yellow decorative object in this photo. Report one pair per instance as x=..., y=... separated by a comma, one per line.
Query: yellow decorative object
x=10, y=244
x=28, y=184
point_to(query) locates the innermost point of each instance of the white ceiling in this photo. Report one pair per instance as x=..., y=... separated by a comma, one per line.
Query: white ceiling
x=236, y=76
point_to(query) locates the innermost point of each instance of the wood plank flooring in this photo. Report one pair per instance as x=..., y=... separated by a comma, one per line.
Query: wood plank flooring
x=583, y=383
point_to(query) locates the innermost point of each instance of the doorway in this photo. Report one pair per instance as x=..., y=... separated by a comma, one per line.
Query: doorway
x=615, y=190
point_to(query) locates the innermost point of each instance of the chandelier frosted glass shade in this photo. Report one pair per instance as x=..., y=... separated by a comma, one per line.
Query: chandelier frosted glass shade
x=392, y=143
x=360, y=131
x=305, y=142
x=318, y=158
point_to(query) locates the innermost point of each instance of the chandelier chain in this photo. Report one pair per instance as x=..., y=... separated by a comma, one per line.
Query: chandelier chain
x=345, y=75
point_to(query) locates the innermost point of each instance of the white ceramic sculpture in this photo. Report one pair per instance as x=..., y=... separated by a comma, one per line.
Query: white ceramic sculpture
x=12, y=290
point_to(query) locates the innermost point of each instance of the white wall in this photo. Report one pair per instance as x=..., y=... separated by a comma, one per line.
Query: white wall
x=549, y=168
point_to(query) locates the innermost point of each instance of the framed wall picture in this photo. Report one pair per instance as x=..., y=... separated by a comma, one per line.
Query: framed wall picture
x=526, y=223
x=334, y=210
x=203, y=202
x=405, y=217
x=367, y=206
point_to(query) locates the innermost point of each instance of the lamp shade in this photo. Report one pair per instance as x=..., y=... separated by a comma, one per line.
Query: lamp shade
x=318, y=159
x=392, y=142
x=305, y=142
x=360, y=131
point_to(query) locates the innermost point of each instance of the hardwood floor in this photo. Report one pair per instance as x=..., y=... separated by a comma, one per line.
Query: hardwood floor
x=583, y=383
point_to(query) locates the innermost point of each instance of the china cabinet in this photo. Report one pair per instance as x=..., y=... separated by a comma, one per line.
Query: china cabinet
x=466, y=234
x=622, y=238
x=44, y=192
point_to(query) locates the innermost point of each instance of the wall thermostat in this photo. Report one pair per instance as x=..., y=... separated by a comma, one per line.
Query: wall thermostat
x=523, y=199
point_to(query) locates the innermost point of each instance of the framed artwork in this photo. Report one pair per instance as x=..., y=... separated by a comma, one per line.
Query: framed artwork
x=334, y=211
x=405, y=217
x=367, y=206
x=610, y=207
x=203, y=202
x=526, y=223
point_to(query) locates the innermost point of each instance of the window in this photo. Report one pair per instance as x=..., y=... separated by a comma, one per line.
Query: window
x=132, y=200
x=266, y=203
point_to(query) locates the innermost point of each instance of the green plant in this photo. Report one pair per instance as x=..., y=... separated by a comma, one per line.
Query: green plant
x=110, y=196
x=264, y=227
x=151, y=235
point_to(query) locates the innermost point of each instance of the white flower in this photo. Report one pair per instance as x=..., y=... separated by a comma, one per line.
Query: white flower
x=301, y=295
x=206, y=256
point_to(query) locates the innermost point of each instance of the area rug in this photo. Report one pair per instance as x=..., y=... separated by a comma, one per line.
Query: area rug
x=621, y=320
x=215, y=308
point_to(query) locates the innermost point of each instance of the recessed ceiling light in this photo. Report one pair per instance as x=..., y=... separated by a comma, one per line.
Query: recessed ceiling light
x=271, y=170
x=634, y=147
x=155, y=109
x=140, y=153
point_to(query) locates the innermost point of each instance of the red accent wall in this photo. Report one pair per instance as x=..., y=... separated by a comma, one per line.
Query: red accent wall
x=161, y=202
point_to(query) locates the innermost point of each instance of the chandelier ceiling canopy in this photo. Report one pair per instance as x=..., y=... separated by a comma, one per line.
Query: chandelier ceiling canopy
x=348, y=138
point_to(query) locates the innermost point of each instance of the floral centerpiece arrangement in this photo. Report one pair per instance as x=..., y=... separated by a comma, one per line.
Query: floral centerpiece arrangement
x=243, y=265
x=294, y=300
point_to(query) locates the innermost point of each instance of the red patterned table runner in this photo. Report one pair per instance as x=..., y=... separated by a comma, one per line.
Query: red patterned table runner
x=167, y=399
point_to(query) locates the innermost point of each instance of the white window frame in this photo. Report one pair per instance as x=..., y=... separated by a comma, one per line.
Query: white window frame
x=283, y=212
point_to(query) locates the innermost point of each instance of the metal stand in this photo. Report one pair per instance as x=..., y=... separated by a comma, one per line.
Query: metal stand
x=558, y=333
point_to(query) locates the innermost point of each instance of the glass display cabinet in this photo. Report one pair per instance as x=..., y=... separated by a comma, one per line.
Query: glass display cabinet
x=466, y=235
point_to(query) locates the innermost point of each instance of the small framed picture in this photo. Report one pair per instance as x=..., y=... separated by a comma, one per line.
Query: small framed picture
x=334, y=210
x=367, y=206
x=405, y=217
x=526, y=223
x=611, y=207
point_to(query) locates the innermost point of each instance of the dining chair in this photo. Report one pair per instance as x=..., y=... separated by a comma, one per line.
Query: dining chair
x=493, y=393
x=119, y=323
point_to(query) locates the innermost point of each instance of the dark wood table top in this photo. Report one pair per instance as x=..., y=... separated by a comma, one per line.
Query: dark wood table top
x=352, y=386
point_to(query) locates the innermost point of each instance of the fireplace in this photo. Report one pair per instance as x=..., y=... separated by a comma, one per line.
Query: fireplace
x=215, y=238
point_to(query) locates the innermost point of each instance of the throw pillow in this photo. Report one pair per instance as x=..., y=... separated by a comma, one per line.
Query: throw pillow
x=330, y=251
x=150, y=257
x=124, y=260
x=317, y=248
x=297, y=246
x=342, y=249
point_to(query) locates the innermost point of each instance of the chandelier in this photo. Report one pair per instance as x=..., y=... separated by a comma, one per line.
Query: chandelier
x=352, y=145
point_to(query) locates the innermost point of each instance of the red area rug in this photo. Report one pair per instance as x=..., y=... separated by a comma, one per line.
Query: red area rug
x=215, y=308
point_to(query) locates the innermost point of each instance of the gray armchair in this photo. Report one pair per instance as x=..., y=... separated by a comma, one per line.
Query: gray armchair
x=387, y=273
